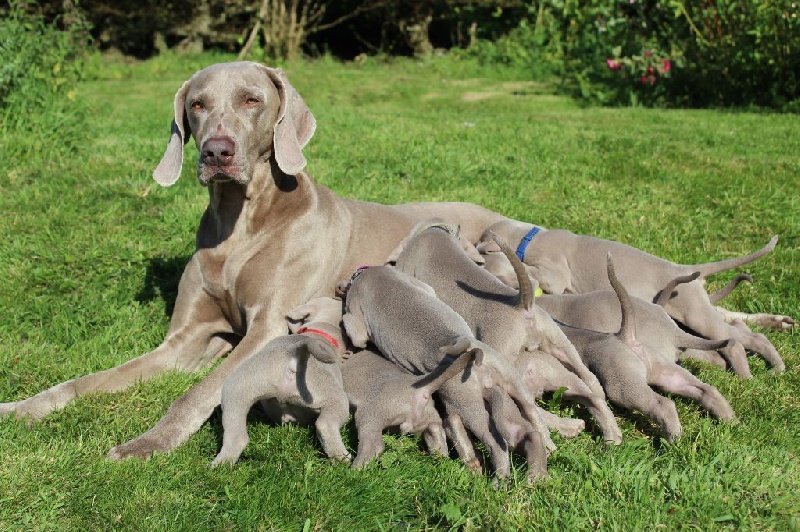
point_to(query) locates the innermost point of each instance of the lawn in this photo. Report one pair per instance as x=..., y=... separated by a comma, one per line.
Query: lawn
x=93, y=250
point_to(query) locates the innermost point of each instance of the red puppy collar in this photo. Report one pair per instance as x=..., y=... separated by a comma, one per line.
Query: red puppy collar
x=325, y=335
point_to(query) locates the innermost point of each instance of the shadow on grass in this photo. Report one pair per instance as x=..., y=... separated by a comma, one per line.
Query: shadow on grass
x=161, y=281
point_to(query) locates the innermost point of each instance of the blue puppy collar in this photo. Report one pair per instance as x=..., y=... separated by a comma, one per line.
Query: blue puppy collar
x=523, y=245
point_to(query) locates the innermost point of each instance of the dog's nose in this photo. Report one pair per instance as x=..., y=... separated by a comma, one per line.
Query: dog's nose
x=219, y=151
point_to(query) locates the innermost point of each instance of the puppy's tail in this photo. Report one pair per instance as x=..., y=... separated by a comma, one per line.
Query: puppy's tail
x=433, y=380
x=711, y=268
x=725, y=291
x=627, y=330
x=668, y=292
x=322, y=350
x=526, y=288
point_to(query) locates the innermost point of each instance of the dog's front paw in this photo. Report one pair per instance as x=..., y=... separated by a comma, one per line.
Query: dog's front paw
x=31, y=410
x=569, y=428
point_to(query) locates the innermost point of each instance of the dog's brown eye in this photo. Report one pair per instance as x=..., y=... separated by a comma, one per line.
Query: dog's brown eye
x=197, y=105
x=251, y=101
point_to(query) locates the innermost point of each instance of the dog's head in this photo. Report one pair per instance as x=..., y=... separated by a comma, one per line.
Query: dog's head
x=240, y=114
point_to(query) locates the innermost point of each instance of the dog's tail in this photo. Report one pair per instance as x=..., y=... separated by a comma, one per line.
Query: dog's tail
x=668, y=292
x=322, y=350
x=627, y=329
x=725, y=291
x=526, y=288
x=446, y=371
x=711, y=268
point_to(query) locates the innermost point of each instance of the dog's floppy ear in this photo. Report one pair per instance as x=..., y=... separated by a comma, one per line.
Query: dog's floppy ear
x=169, y=169
x=294, y=126
x=297, y=317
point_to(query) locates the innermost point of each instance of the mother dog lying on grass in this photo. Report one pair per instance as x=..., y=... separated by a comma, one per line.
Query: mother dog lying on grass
x=270, y=240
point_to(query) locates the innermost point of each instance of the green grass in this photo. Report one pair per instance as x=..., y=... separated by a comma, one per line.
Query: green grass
x=92, y=251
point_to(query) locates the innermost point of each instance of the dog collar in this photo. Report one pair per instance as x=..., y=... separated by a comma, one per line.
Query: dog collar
x=325, y=335
x=355, y=275
x=523, y=245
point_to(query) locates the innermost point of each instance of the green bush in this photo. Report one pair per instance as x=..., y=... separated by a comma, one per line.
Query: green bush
x=667, y=53
x=532, y=45
x=39, y=68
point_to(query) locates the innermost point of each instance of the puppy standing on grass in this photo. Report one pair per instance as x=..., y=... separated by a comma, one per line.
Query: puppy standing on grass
x=385, y=395
x=626, y=368
x=661, y=340
x=410, y=326
x=296, y=377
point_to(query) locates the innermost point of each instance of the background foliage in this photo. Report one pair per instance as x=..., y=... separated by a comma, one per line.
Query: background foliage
x=654, y=52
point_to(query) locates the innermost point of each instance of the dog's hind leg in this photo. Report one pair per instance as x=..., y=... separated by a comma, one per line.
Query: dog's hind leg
x=674, y=379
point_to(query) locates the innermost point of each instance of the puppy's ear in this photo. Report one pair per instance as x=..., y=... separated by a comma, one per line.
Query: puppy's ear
x=470, y=249
x=488, y=246
x=294, y=126
x=169, y=169
x=299, y=316
x=356, y=330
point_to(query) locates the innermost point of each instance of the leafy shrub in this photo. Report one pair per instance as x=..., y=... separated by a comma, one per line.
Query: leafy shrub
x=39, y=66
x=656, y=52
x=707, y=53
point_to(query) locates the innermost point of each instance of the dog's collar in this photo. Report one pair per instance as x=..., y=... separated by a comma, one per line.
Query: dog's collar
x=355, y=275
x=523, y=245
x=325, y=335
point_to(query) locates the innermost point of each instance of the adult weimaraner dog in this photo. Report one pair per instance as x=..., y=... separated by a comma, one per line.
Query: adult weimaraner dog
x=269, y=240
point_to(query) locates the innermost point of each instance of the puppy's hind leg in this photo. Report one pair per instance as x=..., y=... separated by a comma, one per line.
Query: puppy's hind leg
x=239, y=393
x=332, y=418
x=370, y=438
x=674, y=379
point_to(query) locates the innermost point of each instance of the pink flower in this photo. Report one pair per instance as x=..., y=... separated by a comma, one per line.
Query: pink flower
x=613, y=65
x=647, y=53
x=667, y=65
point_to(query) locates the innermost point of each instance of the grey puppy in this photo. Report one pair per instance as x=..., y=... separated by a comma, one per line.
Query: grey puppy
x=565, y=262
x=517, y=431
x=294, y=375
x=504, y=318
x=385, y=395
x=542, y=373
x=410, y=326
x=661, y=339
x=627, y=368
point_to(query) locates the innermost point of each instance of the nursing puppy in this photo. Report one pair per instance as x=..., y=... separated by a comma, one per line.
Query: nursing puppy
x=298, y=379
x=504, y=318
x=627, y=369
x=410, y=326
x=385, y=395
x=565, y=262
